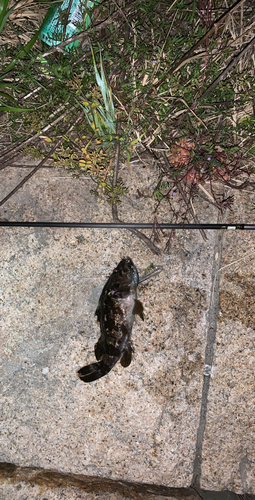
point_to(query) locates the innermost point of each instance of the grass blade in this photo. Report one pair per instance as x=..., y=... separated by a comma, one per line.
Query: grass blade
x=11, y=109
x=8, y=96
x=27, y=47
x=4, y=13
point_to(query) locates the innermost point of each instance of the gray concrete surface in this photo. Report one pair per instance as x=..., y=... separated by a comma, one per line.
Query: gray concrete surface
x=230, y=429
x=163, y=420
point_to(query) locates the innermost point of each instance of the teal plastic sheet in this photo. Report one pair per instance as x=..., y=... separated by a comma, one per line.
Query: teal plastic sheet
x=53, y=29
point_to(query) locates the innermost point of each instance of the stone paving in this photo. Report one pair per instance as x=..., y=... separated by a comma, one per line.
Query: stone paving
x=182, y=414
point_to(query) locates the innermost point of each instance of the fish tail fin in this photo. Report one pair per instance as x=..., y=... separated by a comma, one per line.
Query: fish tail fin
x=94, y=371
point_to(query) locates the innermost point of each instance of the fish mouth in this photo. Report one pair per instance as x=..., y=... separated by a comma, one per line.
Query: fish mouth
x=127, y=270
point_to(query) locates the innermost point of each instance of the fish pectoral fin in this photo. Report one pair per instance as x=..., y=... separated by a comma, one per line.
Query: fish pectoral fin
x=127, y=356
x=138, y=309
x=99, y=349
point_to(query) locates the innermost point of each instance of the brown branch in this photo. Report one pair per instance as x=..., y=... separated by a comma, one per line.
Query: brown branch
x=144, y=238
x=188, y=204
x=205, y=198
x=245, y=184
x=29, y=175
x=38, y=166
x=21, y=165
x=115, y=217
x=120, y=9
x=14, y=151
x=191, y=209
x=146, y=277
x=203, y=39
x=66, y=20
x=228, y=68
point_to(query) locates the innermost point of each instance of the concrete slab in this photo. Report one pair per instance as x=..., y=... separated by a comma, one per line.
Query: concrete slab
x=139, y=423
x=228, y=455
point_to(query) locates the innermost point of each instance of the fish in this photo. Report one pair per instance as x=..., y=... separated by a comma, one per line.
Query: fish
x=116, y=310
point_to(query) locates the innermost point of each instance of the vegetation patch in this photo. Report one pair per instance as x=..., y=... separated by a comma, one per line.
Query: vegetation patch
x=172, y=80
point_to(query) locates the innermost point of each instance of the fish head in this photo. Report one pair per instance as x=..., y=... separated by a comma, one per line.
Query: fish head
x=126, y=273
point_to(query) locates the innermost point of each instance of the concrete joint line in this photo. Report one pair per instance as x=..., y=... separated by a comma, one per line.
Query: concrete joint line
x=209, y=354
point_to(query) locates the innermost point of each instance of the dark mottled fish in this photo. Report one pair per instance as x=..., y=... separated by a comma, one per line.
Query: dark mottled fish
x=116, y=311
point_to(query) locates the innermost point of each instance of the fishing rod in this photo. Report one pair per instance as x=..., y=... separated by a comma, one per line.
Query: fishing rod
x=125, y=225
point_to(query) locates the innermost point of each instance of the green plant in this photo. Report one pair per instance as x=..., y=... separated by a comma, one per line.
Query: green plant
x=102, y=120
x=5, y=12
x=112, y=194
x=16, y=60
x=154, y=92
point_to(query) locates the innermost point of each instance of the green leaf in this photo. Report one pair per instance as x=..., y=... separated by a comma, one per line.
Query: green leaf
x=16, y=110
x=3, y=7
x=108, y=114
x=252, y=149
x=135, y=141
x=3, y=85
x=27, y=47
x=7, y=96
x=4, y=13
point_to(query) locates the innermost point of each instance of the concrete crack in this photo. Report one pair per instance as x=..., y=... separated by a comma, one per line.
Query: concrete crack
x=209, y=354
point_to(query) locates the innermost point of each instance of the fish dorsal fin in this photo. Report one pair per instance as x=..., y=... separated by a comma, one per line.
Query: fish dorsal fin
x=138, y=309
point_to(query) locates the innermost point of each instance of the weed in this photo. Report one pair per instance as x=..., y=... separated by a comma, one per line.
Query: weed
x=33, y=151
x=162, y=86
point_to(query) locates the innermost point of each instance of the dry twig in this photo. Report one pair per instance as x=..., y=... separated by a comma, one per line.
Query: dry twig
x=38, y=166
x=115, y=217
x=14, y=151
x=184, y=59
x=229, y=67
